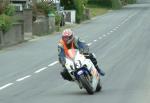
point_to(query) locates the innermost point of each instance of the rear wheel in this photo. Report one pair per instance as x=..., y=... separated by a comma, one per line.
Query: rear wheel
x=86, y=84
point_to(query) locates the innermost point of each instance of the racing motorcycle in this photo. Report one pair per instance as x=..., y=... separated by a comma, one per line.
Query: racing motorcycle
x=83, y=71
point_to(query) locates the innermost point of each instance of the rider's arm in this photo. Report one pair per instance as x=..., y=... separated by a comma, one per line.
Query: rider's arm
x=61, y=55
x=83, y=47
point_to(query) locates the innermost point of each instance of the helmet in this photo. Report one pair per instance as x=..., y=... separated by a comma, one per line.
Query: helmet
x=67, y=36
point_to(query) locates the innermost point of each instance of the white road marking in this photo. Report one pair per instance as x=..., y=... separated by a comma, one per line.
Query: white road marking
x=38, y=71
x=108, y=33
x=23, y=78
x=89, y=44
x=95, y=40
x=104, y=35
x=111, y=31
x=114, y=29
x=100, y=37
x=53, y=63
x=123, y=22
x=117, y=27
x=5, y=86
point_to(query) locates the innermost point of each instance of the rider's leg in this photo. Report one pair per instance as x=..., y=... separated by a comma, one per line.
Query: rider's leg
x=93, y=59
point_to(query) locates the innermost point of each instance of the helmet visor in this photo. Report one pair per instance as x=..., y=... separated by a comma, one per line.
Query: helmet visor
x=67, y=38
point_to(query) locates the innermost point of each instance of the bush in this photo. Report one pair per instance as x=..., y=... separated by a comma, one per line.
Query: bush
x=78, y=5
x=5, y=22
x=44, y=8
x=116, y=4
x=9, y=10
x=131, y=1
x=57, y=19
x=6, y=12
x=103, y=3
x=68, y=4
x=79, y=10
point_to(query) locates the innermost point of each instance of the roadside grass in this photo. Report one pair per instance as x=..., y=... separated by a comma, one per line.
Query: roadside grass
x=97, y=9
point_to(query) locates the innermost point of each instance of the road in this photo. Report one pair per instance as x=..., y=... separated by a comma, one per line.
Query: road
x=29, y=72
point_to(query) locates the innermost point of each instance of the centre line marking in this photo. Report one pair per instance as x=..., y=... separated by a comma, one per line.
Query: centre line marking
x=23, y=78
x=95, y=40
x=38, y=71
x=115, y=29
x=89, y=44
x=53, y=63
x=5, y=86
x=104, y=35
x=100, y=37
x=108, y=33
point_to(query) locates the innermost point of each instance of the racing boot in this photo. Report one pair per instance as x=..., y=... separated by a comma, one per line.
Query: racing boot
x=102, y=73
x=65, y=75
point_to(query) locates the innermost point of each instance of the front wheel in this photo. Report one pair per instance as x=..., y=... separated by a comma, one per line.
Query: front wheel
x=99, y=87
x=86, y=84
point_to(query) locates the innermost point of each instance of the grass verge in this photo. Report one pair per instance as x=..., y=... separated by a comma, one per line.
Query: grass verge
x=96, y=9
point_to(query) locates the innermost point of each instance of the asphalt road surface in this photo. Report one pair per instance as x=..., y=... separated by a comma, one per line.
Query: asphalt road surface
x=29, y=72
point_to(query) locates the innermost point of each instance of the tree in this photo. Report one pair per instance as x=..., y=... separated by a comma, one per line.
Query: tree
x=131, y=1
x=68, y=4
x=6, y=13
x=116, y=4
x=78, y=5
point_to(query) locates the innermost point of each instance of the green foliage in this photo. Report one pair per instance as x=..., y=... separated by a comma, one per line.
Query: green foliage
x=6, y=12
x=124, y=2
x=116, y=4
x=103, y=3
x=84, y=2
x=5, y=22
x=44, y=7
x=10, y=10
x=131, y=1
x=96, y=9
x=68, y=4
x=57, y=19
x=79, y=6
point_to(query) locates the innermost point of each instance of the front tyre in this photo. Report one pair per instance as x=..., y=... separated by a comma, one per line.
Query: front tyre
x=86, y=84
x=99, y=87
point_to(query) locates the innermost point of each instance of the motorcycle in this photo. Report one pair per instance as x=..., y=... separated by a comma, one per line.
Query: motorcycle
x=83, y=71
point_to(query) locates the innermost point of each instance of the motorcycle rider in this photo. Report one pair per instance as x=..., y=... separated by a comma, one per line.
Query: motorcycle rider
x=68, y=41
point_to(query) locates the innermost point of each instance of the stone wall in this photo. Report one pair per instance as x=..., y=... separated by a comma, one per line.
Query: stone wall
x=14, y=36
x=40, y=26
x=25, y=16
